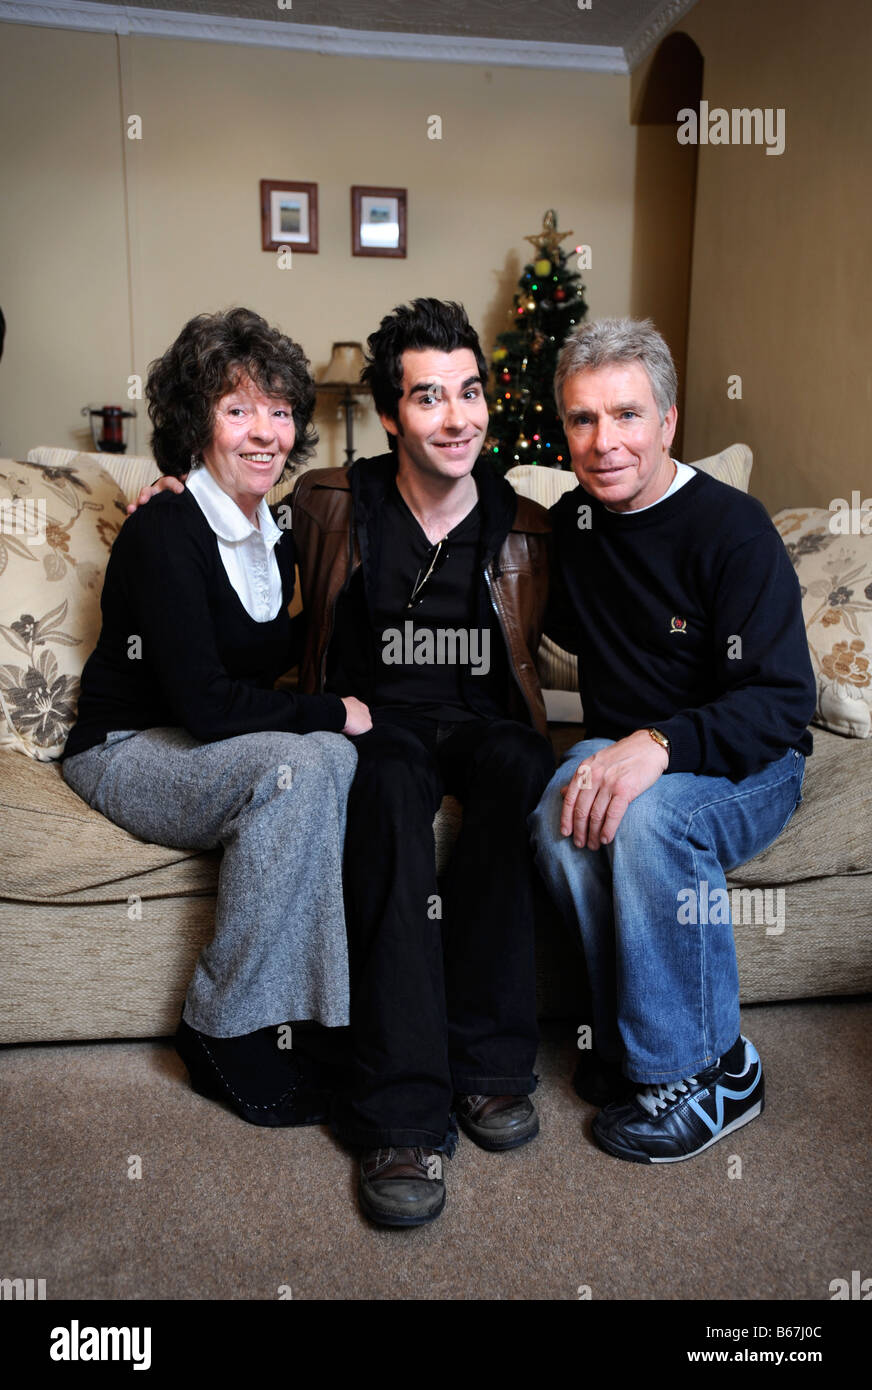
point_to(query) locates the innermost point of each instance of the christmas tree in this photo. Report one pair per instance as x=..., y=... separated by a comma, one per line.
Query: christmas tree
x=549, y=302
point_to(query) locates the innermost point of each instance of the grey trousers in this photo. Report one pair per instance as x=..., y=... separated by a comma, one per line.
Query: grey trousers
x=275, y=803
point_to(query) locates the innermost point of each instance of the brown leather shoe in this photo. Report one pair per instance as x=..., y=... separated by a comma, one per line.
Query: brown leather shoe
x=498, y=1122
x=401, y=1187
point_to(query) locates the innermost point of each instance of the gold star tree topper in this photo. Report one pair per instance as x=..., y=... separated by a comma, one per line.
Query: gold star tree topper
x=547, y=241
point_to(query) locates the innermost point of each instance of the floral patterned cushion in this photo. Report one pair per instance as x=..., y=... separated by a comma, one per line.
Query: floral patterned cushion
x=833, y=559
x=130, y=471
x=57, y=526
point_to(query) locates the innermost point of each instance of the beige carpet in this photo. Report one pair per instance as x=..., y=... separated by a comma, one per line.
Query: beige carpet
x=226, y=1210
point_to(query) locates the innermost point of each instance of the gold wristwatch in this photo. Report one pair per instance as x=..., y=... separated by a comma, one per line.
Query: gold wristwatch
x=660, y=738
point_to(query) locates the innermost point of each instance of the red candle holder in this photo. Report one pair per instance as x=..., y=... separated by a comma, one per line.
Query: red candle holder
x=109, y=427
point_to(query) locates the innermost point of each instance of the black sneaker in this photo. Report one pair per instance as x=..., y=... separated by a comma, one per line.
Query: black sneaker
x=665, y=1124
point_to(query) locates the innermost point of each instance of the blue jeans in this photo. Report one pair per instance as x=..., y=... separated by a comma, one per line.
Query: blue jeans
x=657, y=937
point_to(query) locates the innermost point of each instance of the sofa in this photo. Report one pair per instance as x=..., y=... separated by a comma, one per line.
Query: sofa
x=99, y=931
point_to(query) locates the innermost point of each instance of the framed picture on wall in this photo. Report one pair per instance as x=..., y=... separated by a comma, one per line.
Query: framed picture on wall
x=288, y=215
x=378, y=221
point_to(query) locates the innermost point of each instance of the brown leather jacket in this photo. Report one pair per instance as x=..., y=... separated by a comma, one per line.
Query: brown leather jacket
x=336, y=517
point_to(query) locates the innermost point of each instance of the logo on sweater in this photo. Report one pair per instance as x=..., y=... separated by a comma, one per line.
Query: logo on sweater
x=678, y=625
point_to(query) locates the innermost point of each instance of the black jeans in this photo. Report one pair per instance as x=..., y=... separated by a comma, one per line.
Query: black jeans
x=443, y=996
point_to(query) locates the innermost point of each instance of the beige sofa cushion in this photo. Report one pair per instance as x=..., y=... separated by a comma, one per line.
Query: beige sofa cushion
x=732, y=465
x=57, y=850
x=831, y=832
x=131, y=472
x=834, y=567
x=52, y=567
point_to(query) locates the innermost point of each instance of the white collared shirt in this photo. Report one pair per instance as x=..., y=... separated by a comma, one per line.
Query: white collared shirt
x=247, y=553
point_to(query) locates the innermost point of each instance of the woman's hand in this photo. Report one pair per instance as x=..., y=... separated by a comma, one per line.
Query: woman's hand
x=165, y=484
x=359, y=719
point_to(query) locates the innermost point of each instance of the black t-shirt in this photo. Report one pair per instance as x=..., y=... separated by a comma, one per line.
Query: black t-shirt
x=436, y=657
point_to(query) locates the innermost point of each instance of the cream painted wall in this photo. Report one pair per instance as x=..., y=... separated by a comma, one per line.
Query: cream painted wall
x=781, y=262
x=215, y=121
x=63, y=264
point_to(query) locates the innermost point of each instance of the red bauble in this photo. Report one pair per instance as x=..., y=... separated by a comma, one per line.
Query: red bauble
x=559, y=295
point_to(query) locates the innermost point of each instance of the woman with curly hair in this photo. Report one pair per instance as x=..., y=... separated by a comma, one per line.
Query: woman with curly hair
x=183, y=740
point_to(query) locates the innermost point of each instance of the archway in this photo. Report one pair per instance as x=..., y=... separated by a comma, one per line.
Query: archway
x=665, y=199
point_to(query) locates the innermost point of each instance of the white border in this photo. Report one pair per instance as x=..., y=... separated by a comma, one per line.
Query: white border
x=348, y=43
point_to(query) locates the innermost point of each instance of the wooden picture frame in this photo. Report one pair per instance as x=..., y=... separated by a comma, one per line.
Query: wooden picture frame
x=288, y=215
x=378, y=221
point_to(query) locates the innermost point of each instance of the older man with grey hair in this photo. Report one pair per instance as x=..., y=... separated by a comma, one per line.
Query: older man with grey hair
x=676, y=593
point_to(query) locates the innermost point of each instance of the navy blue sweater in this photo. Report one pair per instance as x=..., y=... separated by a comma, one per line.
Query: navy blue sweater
x=685, y=616
x=202, y=663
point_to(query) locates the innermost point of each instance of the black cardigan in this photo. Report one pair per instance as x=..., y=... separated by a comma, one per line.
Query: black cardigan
x=178, y=648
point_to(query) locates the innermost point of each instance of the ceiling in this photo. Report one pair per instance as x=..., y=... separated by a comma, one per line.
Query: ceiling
x=627, y=28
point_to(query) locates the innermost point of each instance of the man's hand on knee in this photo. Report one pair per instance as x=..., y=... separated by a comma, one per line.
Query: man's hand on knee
x=603, y=786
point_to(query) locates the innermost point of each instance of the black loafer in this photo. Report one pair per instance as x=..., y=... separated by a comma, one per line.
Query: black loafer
x=298, y=1098
x=498, y=1122
x=401, y=1187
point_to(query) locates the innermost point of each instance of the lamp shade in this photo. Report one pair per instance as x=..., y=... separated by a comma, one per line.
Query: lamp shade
x=345, y=365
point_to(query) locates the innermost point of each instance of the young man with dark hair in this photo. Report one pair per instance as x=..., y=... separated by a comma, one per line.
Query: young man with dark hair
x=424, y=325
x=424, y=581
